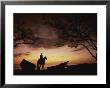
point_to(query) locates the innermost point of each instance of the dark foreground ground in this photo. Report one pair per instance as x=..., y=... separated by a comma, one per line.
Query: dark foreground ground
x=82, y=69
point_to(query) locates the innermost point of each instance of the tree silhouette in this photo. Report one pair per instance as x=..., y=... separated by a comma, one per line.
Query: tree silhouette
x=77, y=31
x=72, y=29
x=22, y=35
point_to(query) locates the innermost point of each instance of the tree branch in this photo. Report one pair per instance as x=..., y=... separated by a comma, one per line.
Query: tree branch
x=89, y=51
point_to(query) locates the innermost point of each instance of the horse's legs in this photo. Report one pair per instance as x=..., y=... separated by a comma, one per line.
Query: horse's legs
x=42, y=66
x=38, y=67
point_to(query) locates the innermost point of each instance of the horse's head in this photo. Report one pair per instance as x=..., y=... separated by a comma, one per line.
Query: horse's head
x=45, y=57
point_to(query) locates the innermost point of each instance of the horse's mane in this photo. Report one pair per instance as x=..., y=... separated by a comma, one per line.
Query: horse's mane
x=45, y=57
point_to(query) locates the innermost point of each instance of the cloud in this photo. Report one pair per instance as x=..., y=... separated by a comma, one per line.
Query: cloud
x=18, y=54
x=78, y=49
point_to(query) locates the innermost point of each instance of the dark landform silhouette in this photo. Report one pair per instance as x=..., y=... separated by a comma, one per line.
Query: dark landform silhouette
x=28, y=68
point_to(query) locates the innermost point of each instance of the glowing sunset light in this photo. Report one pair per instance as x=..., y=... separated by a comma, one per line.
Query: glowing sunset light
x=56, y=56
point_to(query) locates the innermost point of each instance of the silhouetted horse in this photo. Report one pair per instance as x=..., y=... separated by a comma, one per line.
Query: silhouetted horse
x=41, y=63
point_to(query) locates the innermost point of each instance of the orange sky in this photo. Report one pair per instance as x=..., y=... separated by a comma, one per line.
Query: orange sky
x=54, y=56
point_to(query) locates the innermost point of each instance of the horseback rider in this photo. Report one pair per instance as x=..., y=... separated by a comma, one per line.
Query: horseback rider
x=41, y=62
x=41, y=56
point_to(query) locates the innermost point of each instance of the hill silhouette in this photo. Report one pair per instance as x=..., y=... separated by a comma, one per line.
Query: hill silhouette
x=28, y=68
